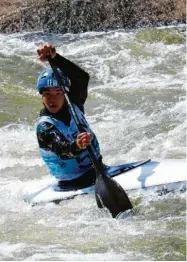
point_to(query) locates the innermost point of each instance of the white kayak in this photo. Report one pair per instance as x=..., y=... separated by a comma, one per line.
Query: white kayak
x=137, y=175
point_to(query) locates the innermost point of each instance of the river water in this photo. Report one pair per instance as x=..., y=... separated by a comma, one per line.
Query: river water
x=137, y=108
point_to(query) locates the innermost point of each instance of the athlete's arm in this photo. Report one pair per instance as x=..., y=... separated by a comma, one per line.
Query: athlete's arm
x=50, y=139
x=78, y=77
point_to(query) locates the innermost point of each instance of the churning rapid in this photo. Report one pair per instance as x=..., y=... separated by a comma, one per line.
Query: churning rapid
x=137, y=108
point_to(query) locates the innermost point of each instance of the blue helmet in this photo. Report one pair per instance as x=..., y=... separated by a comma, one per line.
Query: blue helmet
x=47, y=79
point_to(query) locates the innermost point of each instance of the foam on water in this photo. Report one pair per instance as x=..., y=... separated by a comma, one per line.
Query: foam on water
x=16, y=148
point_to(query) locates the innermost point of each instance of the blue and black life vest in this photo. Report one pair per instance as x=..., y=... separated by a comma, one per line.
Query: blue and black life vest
x=69, y=168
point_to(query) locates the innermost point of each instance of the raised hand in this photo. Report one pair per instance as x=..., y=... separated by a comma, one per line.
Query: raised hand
x=46, y=51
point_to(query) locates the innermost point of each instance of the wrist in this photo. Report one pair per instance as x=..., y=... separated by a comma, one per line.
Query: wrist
x=75, y=149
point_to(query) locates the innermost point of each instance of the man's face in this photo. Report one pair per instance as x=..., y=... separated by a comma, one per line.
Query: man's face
x=53, y=99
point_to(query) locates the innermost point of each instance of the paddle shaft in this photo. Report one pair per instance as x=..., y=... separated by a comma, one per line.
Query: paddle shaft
x=75, y=117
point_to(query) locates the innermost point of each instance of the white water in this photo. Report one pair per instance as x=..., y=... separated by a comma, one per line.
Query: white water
x=137, y=108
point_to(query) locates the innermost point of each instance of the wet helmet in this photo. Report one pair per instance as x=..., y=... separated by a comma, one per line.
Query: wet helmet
x=47, y=79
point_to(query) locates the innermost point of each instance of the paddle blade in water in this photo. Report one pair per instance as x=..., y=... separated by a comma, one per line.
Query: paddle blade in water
x=111, y=195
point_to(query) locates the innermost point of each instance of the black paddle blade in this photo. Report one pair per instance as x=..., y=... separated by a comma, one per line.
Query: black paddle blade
x=111, y=195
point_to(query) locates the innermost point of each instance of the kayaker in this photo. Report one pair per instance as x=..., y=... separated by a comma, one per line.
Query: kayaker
x=62, y=147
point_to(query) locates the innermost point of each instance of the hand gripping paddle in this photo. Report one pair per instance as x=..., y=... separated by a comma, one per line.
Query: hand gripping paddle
x=108, y=192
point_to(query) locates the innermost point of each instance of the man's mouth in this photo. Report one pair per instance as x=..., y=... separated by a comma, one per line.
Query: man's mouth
x=53, y=106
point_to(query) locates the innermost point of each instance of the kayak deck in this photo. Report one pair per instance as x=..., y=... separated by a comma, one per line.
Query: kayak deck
x=111, y=171
x=136, y=175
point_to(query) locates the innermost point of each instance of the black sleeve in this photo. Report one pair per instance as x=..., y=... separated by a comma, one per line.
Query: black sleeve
x=50, y=139
x=79, y=80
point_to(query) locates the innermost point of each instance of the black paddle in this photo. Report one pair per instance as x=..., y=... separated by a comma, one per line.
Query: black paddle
x=108, y=192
